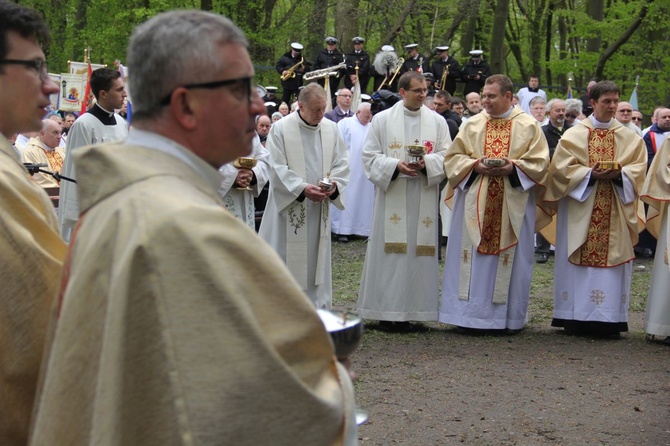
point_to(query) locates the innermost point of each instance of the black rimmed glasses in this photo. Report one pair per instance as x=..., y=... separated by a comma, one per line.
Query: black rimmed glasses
x=419, y=90
x=245, y=84
x=39, y=65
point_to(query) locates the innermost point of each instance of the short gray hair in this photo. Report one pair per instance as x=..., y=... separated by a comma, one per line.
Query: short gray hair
x=537, y=100
x=172, y=49
x=310, y=91
x=553, y=101
x=364, y=106
x=573, y=105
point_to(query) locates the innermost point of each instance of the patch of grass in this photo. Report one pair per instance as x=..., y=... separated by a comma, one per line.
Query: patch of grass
x=348, y=261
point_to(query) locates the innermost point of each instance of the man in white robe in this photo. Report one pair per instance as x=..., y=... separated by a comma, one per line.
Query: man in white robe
x=306, y=152
x=31, y=250
x=240, y=185
x=400, y=281
x=656, y=192
x=489, y=259
x=98, y=125
x=177, y=324
x=356, y=219
x=595, y=177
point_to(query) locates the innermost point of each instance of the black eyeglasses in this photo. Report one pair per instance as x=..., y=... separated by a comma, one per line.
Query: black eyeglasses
x=635, y=118
x=571, y=116
x=247, y=83
x=39, y=65
x=419, y=90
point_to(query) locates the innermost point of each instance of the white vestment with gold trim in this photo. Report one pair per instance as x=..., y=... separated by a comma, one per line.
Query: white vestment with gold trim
x=403, y=286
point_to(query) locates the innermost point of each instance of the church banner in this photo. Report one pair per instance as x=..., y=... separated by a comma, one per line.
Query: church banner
x=71, y=91
x=82, y=67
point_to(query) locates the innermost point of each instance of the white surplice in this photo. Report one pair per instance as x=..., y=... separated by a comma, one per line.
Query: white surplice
x=356, y=219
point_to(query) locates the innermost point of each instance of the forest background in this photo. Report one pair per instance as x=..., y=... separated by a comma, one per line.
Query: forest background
x=616, y=40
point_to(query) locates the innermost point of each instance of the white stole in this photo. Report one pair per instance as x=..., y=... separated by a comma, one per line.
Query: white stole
x=395, y=200
x=296, y=216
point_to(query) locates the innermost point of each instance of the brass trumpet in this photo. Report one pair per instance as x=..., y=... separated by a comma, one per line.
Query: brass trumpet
x=290, y=73
x=398, y=66
x=324, y=72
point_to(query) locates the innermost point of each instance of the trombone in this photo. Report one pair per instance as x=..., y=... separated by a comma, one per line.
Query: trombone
x=290, y=73
x=396, y=70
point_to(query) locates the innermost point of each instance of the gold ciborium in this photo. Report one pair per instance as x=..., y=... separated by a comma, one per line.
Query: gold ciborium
x=245, y=163
x=414, y=153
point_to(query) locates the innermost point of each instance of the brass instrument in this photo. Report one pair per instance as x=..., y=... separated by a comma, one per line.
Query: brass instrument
x=396, y=70
x=290, y=73
x=443, y=78
x=324, y=72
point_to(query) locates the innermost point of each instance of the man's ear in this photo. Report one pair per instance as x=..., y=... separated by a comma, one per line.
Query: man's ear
x=181, y=108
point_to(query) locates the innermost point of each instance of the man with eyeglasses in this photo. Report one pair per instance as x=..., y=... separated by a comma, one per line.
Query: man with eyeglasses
x=624, y=115
x=496, y=168
x=400, y=276
x=176, y=323
x=342, y=109
x=31, y=250
x=100, y=124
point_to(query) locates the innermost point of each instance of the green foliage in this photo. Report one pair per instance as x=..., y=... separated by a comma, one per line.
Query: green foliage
x=106, y=25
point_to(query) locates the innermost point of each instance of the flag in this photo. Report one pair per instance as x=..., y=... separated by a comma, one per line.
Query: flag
x=633, y=99
x=356, y=96
x=87, y=91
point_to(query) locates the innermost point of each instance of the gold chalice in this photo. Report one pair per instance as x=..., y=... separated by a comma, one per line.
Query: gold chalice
x=245, y=163
x=414, y=153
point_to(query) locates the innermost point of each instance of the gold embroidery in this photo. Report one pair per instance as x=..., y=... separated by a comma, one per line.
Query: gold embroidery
x=425, y=250
x=496, y=145
x=594, y=251
x=395, y=145
x=395, y=248
x=465, y=256
x=395, y=218
x=427, y=222
x=506, y=260
x=597, y=297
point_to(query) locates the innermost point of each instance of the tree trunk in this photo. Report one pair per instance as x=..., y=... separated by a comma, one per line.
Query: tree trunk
x=471, y=7
x=206, y=5
x=497, y=47
x=346, y=23
x=316, y=29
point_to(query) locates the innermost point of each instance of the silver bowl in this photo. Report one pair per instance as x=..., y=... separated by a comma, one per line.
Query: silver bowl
x=345, y=329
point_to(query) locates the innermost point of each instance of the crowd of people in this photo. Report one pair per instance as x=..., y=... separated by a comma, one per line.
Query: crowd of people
x=166, y=291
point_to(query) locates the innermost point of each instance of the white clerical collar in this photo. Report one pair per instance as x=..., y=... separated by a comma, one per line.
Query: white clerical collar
x=600, y=125
x=504, y=115
x=151, y=140
x=44, y=146
x=110, y=113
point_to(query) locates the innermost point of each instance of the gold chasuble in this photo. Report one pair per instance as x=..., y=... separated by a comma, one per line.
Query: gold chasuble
x=55, y=161
x=604, y=227
x=656, y=193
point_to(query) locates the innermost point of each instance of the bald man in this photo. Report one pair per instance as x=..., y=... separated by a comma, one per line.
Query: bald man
x=624, y=114
x=45, y=149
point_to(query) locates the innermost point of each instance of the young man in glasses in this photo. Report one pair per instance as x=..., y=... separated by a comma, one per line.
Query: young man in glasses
x=496, y=168
x=177, y=324
x=400, y=276
x=31, y=250
x=100, y=124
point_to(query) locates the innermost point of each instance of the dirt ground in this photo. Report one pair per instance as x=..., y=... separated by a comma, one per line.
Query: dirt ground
x=539, y=387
